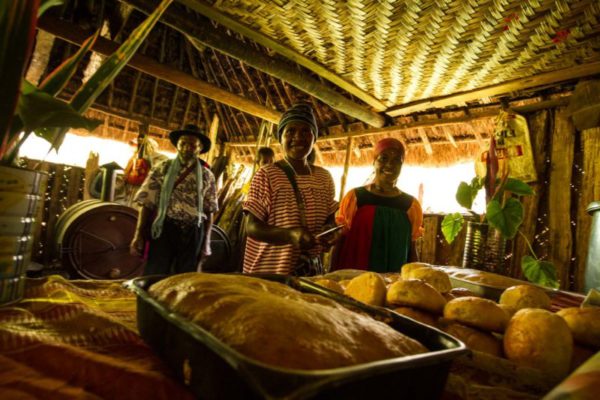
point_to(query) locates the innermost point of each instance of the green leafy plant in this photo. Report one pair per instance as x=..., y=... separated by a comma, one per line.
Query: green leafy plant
x=27, y=108
x=504, y=212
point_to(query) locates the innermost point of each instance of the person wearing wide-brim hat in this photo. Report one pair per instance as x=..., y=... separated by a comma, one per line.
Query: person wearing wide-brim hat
x=178, y=200
x=283, y=222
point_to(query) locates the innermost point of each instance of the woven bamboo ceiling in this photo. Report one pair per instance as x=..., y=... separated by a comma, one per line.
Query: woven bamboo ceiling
x=364, y=65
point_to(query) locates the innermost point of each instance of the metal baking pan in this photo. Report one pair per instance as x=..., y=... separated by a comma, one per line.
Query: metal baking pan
x=213, y=370
x=492, y=292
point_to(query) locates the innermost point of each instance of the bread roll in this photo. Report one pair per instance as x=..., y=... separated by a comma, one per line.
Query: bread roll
x=418, y=315
x=584, y=323
x=478, y=313
x=277, y=325
x=415, y=293
x=473, y=338
x=510, y=310
x=438, y=279
x=408, y=268
x=331, y=285
x=525, y=296
x=368, y=288
x=539, y=339
x=344, y=283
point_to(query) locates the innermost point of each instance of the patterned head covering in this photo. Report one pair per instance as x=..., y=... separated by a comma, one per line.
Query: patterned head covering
x=298, y=113
x=389, y=143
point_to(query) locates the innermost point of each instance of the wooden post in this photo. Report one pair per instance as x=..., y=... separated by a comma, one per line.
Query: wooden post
x=428, y=243
x=214, y=128
x=590, y=191
x=346, y=167
x=559, y=197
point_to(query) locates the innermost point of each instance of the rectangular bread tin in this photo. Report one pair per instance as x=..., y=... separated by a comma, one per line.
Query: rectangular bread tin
x=213, y=370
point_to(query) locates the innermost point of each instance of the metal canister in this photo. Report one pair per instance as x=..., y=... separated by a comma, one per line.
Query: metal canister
x=592, y=265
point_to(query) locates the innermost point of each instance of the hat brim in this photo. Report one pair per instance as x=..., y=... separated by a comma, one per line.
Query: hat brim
x=206, y=143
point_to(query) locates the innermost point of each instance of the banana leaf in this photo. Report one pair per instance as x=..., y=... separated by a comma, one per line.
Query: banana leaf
x=110, y=68
x=40, y=111
x=52, y=85
x=17, y=30
x=58, y=79
x=46, y=4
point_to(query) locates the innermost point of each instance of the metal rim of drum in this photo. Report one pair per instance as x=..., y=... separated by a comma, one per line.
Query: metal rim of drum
x=218, y=234
x=72, y=221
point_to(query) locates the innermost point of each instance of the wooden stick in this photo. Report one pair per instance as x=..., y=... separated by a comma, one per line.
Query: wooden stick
x=346, y=167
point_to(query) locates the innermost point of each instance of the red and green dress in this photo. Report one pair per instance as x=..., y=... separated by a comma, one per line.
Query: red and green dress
x=378, y=230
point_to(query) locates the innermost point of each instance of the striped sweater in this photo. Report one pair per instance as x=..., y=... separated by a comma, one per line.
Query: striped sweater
x=271, y=199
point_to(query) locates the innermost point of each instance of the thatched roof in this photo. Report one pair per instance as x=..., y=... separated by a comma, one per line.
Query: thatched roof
x=378, y=68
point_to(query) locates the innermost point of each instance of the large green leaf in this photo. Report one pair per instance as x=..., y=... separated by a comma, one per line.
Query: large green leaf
x=518, y=187
x=110, y=68
x=506, y=219
x=540, y=272
x=17, y=30
x=58, y=78
x=40, y=112
x=465, y=195
x=451, y=226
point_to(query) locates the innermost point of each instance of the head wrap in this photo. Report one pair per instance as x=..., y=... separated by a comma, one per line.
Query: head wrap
x=389, y=143
x=298, y=113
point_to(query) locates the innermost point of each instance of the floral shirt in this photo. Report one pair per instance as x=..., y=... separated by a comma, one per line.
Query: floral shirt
x=183, y=205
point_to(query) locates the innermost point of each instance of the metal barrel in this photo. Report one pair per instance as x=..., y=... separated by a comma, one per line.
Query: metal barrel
x=21, y=206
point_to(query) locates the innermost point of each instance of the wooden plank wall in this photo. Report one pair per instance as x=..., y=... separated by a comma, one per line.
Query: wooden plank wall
x=65, y=188
x=556, y=222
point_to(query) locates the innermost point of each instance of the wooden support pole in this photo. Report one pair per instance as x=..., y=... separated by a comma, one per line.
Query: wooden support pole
x=164, y=72
x=425, y=140
x=218, y=39
x=547, y=78
x=559, y=197
x=212, y=134
x=346, y=167
x=439, y=122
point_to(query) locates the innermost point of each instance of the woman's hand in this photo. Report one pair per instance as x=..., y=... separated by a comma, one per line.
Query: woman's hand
x=301, y=238
x=330, y=239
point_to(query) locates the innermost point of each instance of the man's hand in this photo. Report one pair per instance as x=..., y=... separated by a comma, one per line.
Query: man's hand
x=136, y=248
x=301, y=238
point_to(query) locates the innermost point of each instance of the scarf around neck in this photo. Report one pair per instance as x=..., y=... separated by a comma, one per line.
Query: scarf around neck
x=171, y=175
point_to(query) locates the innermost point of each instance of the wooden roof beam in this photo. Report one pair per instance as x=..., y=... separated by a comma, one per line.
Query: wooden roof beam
x=218, y=39
x=208, y=11
x=425, y=140
x=561, y=75
x=149, y=66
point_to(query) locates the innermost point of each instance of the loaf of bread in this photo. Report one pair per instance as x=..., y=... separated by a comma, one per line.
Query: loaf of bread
x=277, y=325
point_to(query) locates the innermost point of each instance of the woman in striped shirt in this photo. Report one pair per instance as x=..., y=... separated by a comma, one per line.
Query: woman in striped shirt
x=279, y=237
